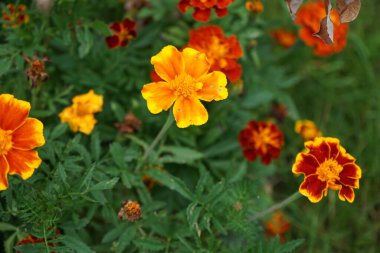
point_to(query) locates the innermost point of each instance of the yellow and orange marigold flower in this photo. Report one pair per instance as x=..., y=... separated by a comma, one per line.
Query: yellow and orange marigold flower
x=309, y=17
x=19, y=135
x=131, y=210
x=307, y=129
x=186, y=81
x=326, y=165
x=80, y=115
x=284, y=38
x=123, y=33
x=15, y=15
x=221, y=51
x=263, y=139
x=255, y=6
x=202, y=8
x=278, y=225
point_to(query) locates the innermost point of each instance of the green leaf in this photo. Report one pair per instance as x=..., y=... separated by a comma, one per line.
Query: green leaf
x=75, y=244
x=126, y=238
x=193, y=211
x=105, y=185
x=9, y=243
x=290, y=246
x=239, y=174
x=87, y=178
x=85, y=40
x=58, y=131
x=114, y=233
x=7, y=227
x=95, y=146
x=5, y=65
x=118, y=153
x=180, y=153
x=150, y=244
x=101, y=28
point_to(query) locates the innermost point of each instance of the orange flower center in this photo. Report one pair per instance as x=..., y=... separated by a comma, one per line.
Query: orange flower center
x=264, y=138
x=216, y=53
x=184, y=85
x=5, y=141
x=329, y=171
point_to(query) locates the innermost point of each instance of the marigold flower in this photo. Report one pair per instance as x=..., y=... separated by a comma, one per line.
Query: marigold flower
x=326, y=165
x=19, y=135
x=255, y=6
x=263, y=139
x=80, y=115
x=31, y=239
x=284, y=38
x=309, y=17
x=221, y=51
x=15, y=15
x=202, y=9
x=307, y=129
x=130, y=210
x=123, y=33
x=186, y=81
x=278, y=225
x=36, y=71
x=130, y=125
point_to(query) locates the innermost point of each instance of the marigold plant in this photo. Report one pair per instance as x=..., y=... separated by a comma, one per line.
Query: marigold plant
x=15, y=16
x=123, y=32
x=202, y=9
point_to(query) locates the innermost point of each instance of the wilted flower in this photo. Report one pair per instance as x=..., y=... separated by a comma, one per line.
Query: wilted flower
x=284, y=38
x=19, y=135
x=263, y=139
x=15, y=15
x=202, y=9
x=326, y=165
x=254, y=6
x=36, y=72
x=186, y=81
x=309, y=17
x=80, y=115
x=221, y=51
x=307, y=129
x=131, y=210
x=130, y=125
x=278, y=225
x=123, y=33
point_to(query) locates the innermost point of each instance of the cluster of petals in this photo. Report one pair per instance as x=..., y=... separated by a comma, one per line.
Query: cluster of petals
x=326, y=165
x=202, y=8
x=14, y=15
x=309, y=17
x=185, y=81
x=262, y=139
x=254, y=6
x=19, y=135
x=307, y=129
x=278, y=225
x=284, y=37
x=122, y=33
x=221, y=51
x=80, y=115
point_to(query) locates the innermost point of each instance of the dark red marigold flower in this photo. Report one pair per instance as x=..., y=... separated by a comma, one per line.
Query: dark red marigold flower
x=222, y=52
x=202, y=8
x=262, y=139
x=123, y=33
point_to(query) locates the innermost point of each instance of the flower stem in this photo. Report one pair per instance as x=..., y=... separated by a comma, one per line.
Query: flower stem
x=276, y=206
x=45, y=239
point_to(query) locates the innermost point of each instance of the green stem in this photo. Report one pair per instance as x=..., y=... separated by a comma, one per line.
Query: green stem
x=276, y=206
x=45, y=239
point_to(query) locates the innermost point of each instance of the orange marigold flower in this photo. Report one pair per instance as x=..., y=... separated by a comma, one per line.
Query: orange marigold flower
x=15, y=15
x=131, y=210
x=202, y=8
x=307, y=129
x=284, y=38
x=278, y=225
x=19, y=135
x=326, y=165
x=222, y=52
x=309, y=17
x=255, y=6
x=123, y=33
x=80, y=115
x=263, y=139
x=186, y=81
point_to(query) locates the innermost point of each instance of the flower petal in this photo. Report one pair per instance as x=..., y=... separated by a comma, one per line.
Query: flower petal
x=29, y=135
x=13, y=112
x=168, y=63
x=113, y=41
x=313, y=188
x=350, y=175
x=189, y=111
x=196, y=63
x=305, y=164
x=23, y=162
x=159, y=96
x=4, y=169
x=214, y=87
x=201, y=15
x=319, y=149
x=346, y=193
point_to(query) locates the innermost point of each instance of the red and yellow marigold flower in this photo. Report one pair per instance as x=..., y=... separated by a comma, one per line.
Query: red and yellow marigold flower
x=80, y=115
x=284, y=38
x=255, y=6
x=19, y=135
x=309, y=17
x=31, y=239
x=221, y=51
x=326, y=165
x=277, y=225
x=202, y=8
x=123, y=33
x=15, y=15
x=186, y=81
x=263, y=139
x=307, y=129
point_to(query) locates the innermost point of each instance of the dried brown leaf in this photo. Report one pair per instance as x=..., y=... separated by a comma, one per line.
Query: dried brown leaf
x=293, y=6
x=348, y=10
x=326, y=30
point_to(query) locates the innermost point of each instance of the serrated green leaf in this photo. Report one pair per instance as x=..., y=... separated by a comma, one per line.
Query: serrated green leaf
x=58, y=131
x=75, y=244
x=5, y=65
x=105, y=185
x=95, y=146
x=114, y=233
x=150, y=244
x=181, y=153
x=290, y=246
x=125, y=239
x=118, y=153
